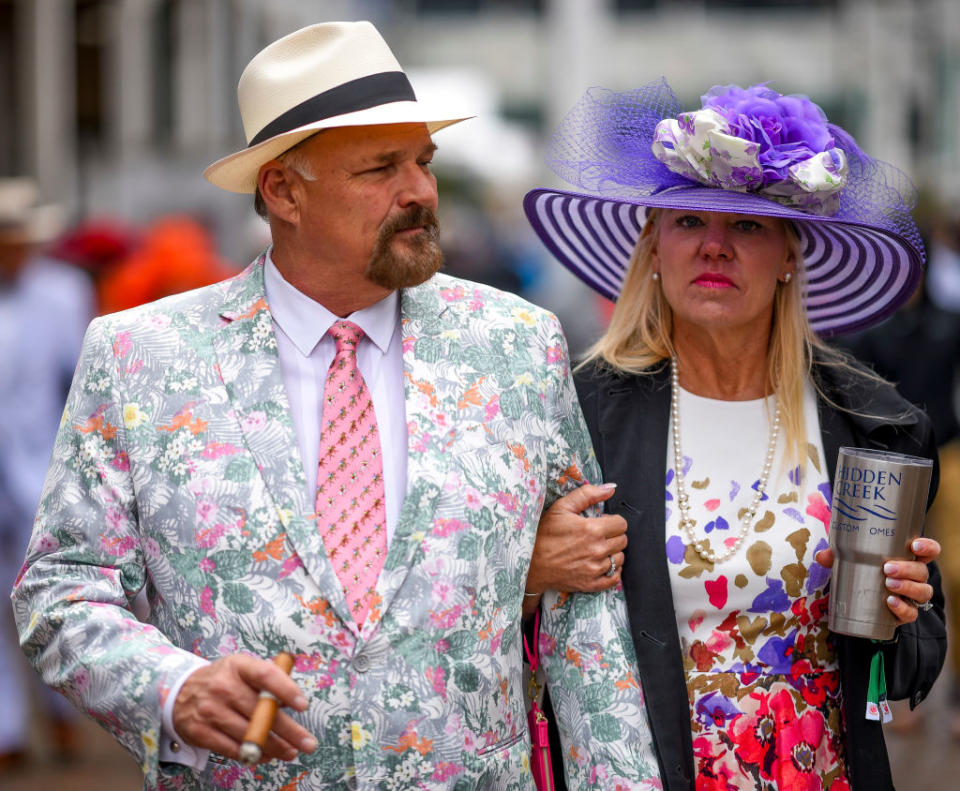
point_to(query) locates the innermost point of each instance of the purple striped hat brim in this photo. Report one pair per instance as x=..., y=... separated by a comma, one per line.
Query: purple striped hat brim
x=855, y=274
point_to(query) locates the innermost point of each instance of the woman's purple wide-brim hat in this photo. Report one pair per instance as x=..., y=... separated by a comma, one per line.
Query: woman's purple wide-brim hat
x=863, y=256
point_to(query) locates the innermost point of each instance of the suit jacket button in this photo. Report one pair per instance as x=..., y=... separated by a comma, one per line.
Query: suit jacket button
x=361, y=663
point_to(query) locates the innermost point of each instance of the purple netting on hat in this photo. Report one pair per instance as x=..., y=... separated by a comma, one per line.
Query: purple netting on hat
x=877, y=193
x=603, y=146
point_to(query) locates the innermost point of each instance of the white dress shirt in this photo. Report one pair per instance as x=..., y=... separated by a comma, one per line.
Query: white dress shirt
x=305, y=352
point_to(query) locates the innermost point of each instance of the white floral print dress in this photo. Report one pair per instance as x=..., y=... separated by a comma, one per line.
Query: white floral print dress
x=762, y=676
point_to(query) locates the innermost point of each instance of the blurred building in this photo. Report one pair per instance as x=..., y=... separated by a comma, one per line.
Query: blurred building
x=116, y=105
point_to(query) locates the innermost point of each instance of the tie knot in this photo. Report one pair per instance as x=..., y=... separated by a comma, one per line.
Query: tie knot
x=346, y=335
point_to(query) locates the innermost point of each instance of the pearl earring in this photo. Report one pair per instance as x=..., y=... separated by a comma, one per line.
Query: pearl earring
x=787, y=277
x=655, y=277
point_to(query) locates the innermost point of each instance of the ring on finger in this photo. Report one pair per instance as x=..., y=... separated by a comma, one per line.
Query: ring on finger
x=923, y=606
x=613, y=568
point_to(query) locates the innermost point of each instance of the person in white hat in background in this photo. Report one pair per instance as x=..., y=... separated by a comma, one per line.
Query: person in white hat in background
x=37, y=358
x=339, y=454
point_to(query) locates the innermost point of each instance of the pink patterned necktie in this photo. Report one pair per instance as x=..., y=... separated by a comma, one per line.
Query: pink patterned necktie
x=350, y=505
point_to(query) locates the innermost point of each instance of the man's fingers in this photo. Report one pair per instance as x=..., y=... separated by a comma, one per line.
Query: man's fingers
x=218, y=728
x=214, y=705
x=262, y=675
x=587, y=495
x=210, y=738
x=287, y=739
x=292, y=734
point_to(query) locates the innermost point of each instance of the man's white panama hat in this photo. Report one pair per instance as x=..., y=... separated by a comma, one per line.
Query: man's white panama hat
x=322, y=76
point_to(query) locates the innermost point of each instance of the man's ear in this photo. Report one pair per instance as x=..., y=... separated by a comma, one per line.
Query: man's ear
x=278, y=191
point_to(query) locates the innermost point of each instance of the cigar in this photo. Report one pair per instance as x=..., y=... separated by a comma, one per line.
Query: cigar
x=263, y=717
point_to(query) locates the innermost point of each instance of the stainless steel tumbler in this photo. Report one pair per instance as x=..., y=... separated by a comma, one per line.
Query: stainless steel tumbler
x=879, y=502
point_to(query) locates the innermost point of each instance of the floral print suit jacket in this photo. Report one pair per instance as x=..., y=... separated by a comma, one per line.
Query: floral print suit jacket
x=175, y=470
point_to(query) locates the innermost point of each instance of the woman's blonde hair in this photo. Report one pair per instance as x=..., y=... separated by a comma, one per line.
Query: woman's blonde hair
x=639, y=335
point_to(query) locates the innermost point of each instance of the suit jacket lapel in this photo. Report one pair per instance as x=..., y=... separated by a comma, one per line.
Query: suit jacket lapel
x=246, y=350
x=423, y=316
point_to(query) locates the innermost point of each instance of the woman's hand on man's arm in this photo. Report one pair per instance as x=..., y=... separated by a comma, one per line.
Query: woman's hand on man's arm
x=575, y=552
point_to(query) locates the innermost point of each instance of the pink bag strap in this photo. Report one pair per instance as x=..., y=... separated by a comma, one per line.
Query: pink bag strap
x=533, y=656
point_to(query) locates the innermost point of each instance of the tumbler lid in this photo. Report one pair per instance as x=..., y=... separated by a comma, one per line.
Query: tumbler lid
x=887, y=456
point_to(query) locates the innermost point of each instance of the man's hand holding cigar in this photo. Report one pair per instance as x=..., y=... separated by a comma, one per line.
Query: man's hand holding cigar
x=216, y=702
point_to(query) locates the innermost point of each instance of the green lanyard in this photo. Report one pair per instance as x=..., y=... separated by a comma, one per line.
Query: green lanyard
x=877, y=705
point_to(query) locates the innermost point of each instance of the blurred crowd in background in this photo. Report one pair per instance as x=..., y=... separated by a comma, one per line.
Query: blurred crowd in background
x=112, y=107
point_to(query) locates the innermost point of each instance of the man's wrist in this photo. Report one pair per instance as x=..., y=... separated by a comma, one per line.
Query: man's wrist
x=173, y=748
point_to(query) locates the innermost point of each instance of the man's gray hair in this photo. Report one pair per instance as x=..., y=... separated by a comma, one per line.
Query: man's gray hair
x=295, y=159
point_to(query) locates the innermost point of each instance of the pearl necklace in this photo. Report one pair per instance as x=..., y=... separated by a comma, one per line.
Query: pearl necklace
x=702, y=546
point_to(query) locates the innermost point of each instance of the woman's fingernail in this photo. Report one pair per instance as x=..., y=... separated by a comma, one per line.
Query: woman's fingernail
x=890, y=568
x=893, y=584
x=308, y=745
x=608, y=486
x=300, y=703
x=893, y=601
x=917, y=546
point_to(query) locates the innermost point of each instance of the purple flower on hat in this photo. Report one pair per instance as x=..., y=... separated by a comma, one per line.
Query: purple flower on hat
x=788, y=129
x=757, y=140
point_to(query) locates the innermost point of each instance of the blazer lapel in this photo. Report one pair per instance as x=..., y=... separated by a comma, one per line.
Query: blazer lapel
x=246, y=350
x=423, y=316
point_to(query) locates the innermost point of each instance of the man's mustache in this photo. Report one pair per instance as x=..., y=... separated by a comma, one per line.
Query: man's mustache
x=416, y=217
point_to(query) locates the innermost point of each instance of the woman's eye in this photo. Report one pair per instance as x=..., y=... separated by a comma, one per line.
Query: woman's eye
x=748, y=225
x=688, y=221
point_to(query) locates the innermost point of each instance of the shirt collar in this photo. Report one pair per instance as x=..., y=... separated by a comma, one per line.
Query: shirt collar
x=305, y=321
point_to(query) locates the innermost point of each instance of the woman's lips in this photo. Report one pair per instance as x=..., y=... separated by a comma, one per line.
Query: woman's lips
x=714, y=280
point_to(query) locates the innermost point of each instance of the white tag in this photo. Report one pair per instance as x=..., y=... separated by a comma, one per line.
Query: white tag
x=885, y=710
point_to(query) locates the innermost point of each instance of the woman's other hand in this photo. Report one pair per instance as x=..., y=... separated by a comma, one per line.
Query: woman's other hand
x=575, y=552
x=907, y=579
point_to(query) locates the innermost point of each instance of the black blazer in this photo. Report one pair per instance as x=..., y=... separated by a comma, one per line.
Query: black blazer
x=628, y=419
